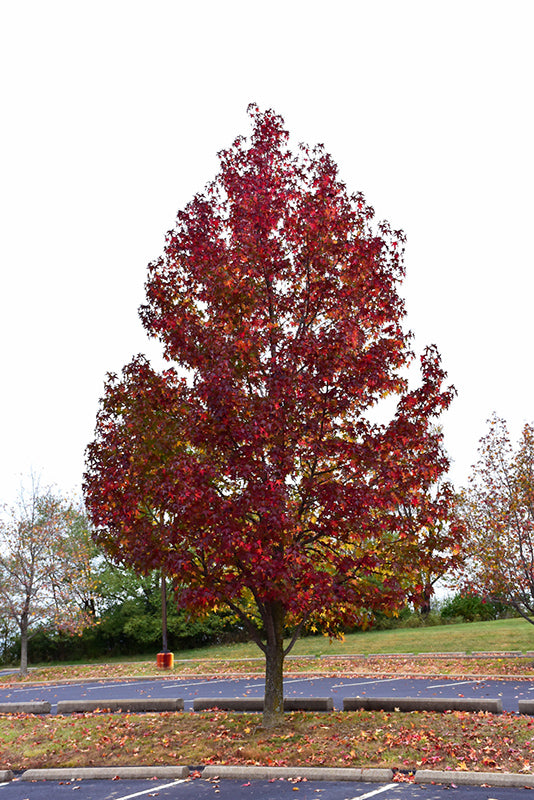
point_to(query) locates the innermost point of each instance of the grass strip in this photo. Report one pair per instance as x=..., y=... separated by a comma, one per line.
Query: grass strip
x=455, y=740
x=314, y=652
x=375, y=666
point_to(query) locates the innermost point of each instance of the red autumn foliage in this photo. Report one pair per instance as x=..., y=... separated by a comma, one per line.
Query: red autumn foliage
x=259, y=480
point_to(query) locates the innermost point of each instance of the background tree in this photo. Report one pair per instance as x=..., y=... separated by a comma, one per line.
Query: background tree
x=260, y=482
x=127, y=622
x=45, y=574
x=498, y=508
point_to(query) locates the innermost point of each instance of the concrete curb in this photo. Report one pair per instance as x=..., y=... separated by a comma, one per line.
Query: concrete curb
x=135, y=704
x=402, y=704
x=308, y=704
x=474, y=778
x=256, y=703
x=310, y=773
x=248, y=704
x=103, y=773
x=33, y=707
x=446, y=777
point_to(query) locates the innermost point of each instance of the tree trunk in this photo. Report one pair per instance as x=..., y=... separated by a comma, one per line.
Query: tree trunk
x=425, y=607
x=24, y=645
x=273, y=706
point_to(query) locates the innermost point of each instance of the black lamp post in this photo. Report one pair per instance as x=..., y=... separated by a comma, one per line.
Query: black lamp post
x=165, y=660
x=165, y=649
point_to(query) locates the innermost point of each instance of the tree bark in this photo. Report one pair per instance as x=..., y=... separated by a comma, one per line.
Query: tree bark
x=273, y=708
x=425, y=608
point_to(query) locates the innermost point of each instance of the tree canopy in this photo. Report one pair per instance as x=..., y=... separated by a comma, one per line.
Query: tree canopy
x=251, y=470
x=498, y=508
x=45, y=575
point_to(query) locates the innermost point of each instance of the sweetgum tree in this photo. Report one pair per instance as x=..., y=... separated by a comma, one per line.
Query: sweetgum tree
x=259, y=481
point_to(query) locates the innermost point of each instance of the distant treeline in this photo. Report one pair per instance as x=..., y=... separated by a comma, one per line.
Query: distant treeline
x=132, y=626
x=124, y=630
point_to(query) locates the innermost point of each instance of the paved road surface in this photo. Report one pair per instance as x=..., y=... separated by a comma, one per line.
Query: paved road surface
x=245, y=790
x=510, y=691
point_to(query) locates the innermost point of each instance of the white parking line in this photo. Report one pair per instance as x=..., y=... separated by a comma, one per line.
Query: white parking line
x=153, y=789
x=457, y=683
x=41, y=688
x=374, y=792
x=109, y=684
x=196, y=683
x=87, y=686
x=286, y=683
x=106, y=684
x=366, y=683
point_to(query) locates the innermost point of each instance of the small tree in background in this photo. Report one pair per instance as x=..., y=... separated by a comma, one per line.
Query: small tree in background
x=260, y=482
x=498, y=509
x=45, y=576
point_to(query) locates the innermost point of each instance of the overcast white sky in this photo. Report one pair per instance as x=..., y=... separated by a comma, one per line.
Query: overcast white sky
x=113, y=113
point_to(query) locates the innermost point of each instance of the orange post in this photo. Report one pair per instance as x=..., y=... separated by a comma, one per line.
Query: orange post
x=165, y=660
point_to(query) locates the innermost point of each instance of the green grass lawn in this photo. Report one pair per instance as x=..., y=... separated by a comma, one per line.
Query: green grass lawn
x=458, y=740
x=499, y=635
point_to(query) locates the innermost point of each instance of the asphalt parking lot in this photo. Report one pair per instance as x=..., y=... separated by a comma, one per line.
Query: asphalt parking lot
x=509, y=691
x=184, y=789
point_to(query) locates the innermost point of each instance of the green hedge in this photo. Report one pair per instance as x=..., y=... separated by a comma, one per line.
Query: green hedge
x=472, y=608
x=125, y=630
